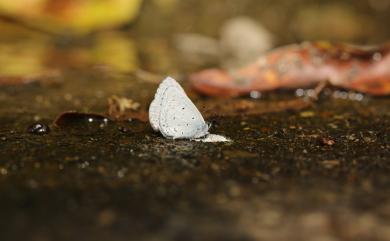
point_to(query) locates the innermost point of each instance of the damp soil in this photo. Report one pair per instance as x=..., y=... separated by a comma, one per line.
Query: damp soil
x=323, y=170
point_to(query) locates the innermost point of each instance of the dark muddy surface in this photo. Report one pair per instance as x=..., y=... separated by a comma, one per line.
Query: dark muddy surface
x=319, y=173
x=323, y=171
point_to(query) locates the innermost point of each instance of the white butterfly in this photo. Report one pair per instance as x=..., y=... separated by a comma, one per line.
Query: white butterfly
x=174, y=115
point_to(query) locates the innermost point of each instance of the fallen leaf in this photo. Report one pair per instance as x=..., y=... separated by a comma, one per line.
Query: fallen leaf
x=71, y=16
x=364, y=69
x=121, y=108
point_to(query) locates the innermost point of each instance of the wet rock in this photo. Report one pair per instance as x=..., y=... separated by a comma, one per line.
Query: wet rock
x=69, y=118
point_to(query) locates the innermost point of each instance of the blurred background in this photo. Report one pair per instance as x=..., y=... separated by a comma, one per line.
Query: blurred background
x=131, y=34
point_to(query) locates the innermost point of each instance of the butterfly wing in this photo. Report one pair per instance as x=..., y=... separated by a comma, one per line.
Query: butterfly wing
x=179, y=117
x=155, y=106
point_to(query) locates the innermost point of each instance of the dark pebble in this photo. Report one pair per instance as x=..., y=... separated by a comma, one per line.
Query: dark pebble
x=38, y=129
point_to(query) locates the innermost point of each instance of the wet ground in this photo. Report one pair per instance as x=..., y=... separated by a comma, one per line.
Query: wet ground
x=318, y=173
x=323, y=171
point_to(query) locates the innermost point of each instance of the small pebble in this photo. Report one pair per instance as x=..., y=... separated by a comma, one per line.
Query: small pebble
x=38, y=129
x=255, y=94
x=123, y=129
x=300, y=92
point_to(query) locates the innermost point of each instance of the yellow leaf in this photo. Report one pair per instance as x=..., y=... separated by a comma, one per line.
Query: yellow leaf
x=72, y=16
